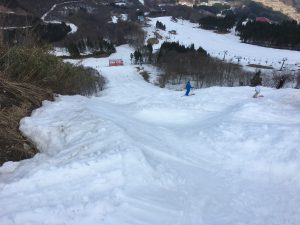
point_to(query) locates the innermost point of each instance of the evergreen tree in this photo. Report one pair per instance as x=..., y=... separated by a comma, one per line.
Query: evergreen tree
x=160, y=25
x=73, y=50
x=137, y=56
x=131, y=57
x=284, y=35
x=150, y=50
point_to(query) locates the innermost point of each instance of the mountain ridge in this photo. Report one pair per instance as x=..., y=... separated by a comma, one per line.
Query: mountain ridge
x=285, y=6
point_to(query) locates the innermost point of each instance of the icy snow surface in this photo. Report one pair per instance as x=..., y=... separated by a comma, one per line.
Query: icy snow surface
x=142, y=155
x=216, y=44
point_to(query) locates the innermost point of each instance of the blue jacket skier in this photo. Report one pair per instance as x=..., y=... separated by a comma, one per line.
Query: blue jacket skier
x=188, y=88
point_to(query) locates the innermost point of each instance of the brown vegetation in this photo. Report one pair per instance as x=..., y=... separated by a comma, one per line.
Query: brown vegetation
x=280, y=6
x=298, y=81
x=152, y=41
x=17, y=101
x=29, y=75
x=145, y=75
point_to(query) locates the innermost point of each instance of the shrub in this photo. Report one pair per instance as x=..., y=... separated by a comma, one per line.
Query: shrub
x=145, y=75
x=298, y=81
x=256, y=80
x=17, y=101
x=36, y=66
x=73, y=50
x=152, y=41
x=157, y=35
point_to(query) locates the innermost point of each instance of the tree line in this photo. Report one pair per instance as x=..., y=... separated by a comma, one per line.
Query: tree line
x=142, y=55
x=98, y=46
x=181, y=63
x=218, y=23
x=283, y=35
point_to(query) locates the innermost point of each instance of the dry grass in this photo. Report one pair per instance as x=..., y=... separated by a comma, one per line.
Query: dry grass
x=279, y=6
x=152, y=41
x=158, y=36
x=35, y=66
x=27, y=77
x=17, y=101
x=145, y=75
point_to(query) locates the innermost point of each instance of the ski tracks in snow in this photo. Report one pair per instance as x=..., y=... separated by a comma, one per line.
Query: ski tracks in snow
x=138, y=154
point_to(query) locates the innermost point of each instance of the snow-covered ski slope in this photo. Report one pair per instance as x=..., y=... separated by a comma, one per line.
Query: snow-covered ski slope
x=142, y=155
x=216, y=44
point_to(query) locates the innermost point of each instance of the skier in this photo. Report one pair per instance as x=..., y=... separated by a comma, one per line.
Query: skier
x=188, y=88
x=131, y=57
x=257, y=91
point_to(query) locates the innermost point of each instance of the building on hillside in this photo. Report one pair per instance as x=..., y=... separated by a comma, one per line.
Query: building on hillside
x=263, y=20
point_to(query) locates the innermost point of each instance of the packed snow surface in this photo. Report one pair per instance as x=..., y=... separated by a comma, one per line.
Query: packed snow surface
x=138, y=154
x=219, y=44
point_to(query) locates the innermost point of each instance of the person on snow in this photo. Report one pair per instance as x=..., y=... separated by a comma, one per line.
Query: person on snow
x=257, y=91
x=188, y=88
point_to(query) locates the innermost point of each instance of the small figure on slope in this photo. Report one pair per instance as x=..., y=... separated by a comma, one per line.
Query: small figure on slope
x=188, y=88
x=257, y=91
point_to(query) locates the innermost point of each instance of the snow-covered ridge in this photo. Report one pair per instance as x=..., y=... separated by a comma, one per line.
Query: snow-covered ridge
x=140, y=154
